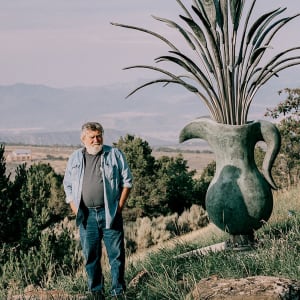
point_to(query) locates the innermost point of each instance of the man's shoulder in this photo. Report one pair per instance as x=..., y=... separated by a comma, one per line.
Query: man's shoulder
x=79, y=150
x=111, y=150
x=78, y=153
x=108, y=148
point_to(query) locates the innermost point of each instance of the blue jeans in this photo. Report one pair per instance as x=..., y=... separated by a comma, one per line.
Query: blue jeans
x=92, y=231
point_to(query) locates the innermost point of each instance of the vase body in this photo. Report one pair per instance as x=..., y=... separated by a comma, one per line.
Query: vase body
x=239, y=198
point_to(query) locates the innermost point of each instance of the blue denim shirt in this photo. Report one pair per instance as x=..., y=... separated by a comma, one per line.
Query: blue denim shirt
x=116, y=175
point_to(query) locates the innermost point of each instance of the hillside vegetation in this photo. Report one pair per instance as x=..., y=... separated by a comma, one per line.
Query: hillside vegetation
x=277, y=254
x=164, y=276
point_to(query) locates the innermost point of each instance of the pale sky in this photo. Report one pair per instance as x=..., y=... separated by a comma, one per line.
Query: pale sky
x=63, y=43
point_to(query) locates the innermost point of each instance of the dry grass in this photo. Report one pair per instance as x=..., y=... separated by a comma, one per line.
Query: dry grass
x=206, y=235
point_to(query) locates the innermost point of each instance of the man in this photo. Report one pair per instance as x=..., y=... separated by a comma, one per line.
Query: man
x=97, y=183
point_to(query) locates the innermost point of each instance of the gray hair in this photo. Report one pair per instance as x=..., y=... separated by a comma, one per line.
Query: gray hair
x=93, y=126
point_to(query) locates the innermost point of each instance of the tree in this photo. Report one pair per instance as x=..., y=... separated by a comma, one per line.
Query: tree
x=141, y=163
x=30, y=203
x=287, y=166
x=7, y=207
x=174, y=179
x=42, y=202
x=28, y=206
x=160, y=186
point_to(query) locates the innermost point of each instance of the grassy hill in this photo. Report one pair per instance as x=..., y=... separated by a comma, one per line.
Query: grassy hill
x=277, y=254
x=162, y=275
x=162, y=270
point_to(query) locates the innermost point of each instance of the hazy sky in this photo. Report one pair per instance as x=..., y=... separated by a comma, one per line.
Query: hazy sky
x=65, y=43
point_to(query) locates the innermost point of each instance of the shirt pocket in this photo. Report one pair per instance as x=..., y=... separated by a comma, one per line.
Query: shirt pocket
x=75, y=171
x=111, y=172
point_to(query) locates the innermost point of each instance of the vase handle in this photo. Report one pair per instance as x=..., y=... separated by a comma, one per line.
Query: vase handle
x=271, y=136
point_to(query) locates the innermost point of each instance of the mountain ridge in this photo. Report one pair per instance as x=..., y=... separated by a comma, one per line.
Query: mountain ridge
x=69, y=138
x=37, y=113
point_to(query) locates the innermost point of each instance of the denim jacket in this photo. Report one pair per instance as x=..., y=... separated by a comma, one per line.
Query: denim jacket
x=116, y=175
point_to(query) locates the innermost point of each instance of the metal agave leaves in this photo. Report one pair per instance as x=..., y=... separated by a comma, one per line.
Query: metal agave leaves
x=225, y=66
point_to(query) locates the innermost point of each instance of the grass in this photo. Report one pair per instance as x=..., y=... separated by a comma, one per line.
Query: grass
x=168, y=277
x=277, y=255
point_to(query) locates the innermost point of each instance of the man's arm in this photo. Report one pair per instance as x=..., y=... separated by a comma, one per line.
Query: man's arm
x=67, y=184
x=124, y=195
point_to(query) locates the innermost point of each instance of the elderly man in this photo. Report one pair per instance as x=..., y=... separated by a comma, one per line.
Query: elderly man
x=97, y=183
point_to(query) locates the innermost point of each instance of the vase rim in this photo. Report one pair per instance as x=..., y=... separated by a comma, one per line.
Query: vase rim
x=248, y=123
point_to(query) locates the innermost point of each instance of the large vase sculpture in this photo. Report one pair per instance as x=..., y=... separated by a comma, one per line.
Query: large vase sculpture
x=224, y=65
x=239, y=198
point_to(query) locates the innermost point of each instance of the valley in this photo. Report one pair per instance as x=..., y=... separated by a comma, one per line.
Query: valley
x=57, y=157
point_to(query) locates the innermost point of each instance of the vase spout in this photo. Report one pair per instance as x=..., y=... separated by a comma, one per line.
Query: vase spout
x=197, y=129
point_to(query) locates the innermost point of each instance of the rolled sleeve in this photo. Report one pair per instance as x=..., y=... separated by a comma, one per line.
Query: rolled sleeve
x=126, y=176
x=68, y=184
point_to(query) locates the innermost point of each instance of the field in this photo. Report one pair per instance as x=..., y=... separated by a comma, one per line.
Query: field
x=57, y=157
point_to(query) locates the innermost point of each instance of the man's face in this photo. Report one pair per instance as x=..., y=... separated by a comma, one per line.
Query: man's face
x=93, y=141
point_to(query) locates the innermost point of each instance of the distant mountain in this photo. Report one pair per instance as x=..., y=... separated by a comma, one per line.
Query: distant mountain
x=41, y=108
x=38, y=114
x=68, y=138
x=41, y=114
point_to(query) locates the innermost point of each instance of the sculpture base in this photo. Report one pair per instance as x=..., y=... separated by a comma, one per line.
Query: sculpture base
x=234, y=243
x=241, y=242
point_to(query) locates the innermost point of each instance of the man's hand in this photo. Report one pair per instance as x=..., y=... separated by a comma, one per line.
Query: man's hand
x=73, y=207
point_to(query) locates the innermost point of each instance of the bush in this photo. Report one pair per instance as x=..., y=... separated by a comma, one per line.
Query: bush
x=56, y=253
x=192, y=219
x=146, y=232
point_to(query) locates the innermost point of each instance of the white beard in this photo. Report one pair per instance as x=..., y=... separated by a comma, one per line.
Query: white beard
x=93, y=150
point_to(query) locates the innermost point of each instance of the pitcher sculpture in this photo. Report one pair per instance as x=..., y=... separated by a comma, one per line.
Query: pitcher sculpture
x=221, y=62
x=239, y=198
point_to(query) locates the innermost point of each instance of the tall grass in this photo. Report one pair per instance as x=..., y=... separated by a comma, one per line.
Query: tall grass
x=277, y=254
x=165, y=276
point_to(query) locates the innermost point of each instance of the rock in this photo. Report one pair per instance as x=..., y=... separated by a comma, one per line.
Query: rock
x=35, y=293
x=250, y=288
